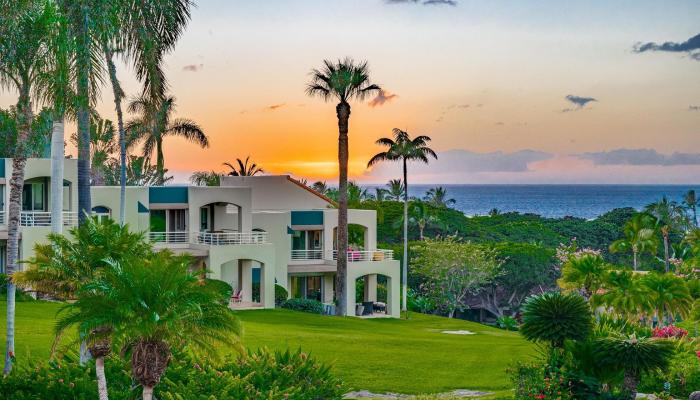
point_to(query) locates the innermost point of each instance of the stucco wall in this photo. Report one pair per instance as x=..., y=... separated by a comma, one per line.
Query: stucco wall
x=275, y=224
x=276, y=192
x=201, y=196
x=108, y=196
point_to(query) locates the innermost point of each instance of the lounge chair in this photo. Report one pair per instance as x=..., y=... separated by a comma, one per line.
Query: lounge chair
x=237, y=296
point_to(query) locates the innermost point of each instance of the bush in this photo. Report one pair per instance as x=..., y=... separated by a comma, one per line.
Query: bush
x=531, y=382
x=683, y=374
x=281, y=295
x=304, y=305
x=19, y=294
x=507, y=323
x=256, y=375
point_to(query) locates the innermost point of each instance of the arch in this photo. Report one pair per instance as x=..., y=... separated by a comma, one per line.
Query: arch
x=358, y=237
x=101, y=212
x=392, y=278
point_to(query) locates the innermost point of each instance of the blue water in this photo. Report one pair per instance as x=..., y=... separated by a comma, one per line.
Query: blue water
x=585, y=201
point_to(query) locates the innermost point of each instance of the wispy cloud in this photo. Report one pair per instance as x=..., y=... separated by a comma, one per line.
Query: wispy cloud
x=693, y=108
x=193, y=67
x=691, y=47
x=275, y=107
x=424, y=2
x=578, y=102
x=640, y=157
x=382, y=98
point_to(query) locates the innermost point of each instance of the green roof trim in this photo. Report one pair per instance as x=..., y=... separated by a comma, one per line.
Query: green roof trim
x=167, y=194
x=142, y=209
x=290, y=231
x=314, y=217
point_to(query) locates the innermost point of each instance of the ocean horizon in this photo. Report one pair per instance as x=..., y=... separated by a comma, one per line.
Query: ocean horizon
x=552, y=200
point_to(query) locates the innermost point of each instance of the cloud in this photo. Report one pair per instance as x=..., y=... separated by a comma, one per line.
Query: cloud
x=425, y=2
x=640, y=157
x=693, y=108
x=382, y=97
x=275, y=107
x=579, y=102
x=193, y=67
x=690, y=47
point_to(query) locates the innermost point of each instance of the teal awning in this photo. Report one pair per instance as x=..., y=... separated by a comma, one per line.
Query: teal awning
x=2, y=167
x=290, y=231
x=167, y=194
x=142, y=209
x=311, y=217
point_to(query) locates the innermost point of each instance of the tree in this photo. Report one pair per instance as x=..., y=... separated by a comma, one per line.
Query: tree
x=437, y=197
x=343, y=81
x=155, y=123
x=102, y=146
x=624, y=292
x=668, y=295
x=138, y=173
x=639, y=236
x=169, y=309
x=243, y=168
x=380, y=194
x=669, y=217
x=453, y=271
x=320, y=187
x=690, y=201
x=396, y=189
x=205, y=178
x=584, y=273
x=23, y=53
x=404, y=149
x=555, y=317
x=634, y=355
x=420, y=215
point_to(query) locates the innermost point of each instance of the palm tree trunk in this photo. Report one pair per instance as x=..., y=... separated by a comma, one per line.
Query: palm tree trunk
x=630, y=382
x=14, y=212
x=695, y=215
x=160, y=160
x=343, y=113
x=148, y=393
x=101, y=378
x=666, y=263
x=57, y=156
x=634, y=259
x=404, y=277
x=83, y=114
x=118, y=95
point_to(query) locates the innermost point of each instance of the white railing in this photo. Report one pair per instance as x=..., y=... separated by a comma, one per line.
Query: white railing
x=169, y=237
x=227, y=238
x=43, y=218
x=367, y=255
x=2, y=217
x=307, y=255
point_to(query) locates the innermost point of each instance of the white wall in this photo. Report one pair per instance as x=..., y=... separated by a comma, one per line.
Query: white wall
x=276, y=192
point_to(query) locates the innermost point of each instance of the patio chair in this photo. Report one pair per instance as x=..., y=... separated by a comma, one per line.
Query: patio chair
x=237, y=296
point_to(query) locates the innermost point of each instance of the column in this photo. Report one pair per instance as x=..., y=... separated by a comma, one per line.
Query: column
x=371, y=287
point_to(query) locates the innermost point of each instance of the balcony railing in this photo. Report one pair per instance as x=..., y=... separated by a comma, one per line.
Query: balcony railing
x=228, y=238
x=43, y=218
x=2, y=218
x=367, y=255
x=299, y=255
x=169, y=237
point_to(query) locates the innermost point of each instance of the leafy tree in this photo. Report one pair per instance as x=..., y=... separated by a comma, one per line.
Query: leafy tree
x=583, y=273
x=138, y=173
x=625, y=294
x=342, y=81
x=669, y=217
x=639, y=237
x=690, y=201
x=243, y=168
x=453, y=271
x=205, y=178
x=437, y=196
x=404, y=149
x=555, y=317
x=668, y=295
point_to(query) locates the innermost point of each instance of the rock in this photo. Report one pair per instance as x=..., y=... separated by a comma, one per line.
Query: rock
x=694, y=396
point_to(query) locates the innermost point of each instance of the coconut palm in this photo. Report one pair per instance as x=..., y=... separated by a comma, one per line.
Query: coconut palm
x=625, y=294
x=420, y=216
x=244, y=168
x=555, y=317
x=395, y=189
x=169, y=309
x=639, y=236
x=155, y=123
x=138, y=173
x=342, y=81
x=205, y=178
x=584, y=274
x=380, y=194
x=669, y=217
x=437, y=197
x=690, y=201
x=634, y=355
x=23, y=54
x=102, y=146
x=668, y=294
x=404, y=149
x=320, y=187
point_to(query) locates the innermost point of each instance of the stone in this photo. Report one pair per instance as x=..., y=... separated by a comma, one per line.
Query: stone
x=694, y=396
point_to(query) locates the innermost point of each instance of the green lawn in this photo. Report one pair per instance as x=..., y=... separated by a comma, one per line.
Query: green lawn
x=381, y=355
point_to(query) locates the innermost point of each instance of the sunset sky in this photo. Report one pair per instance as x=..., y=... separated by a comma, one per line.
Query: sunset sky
x=510, y=91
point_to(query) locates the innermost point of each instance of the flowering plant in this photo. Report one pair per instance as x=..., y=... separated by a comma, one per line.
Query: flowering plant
x=669, y=331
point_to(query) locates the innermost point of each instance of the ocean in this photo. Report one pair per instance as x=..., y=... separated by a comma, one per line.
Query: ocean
x=584, y=201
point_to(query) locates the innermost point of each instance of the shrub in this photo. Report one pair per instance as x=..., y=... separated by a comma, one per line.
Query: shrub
x=669, y=331
x=304, y=305
x=419, y=303
x=532, y=382
x=281, y=295
x=508, y=323
x=19, y=294
x=554, y=317
x=683, y=374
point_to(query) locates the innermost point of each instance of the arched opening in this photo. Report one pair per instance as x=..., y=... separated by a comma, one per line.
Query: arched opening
x=36, y=194
x=101, y=213
x=245, y=276
x=372, y=295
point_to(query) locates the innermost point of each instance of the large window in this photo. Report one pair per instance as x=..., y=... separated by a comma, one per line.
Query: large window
x=307, y=240
x=177, y=220
x=33, y=196
x=157, y=220
x=3, y=257
x=306, y=287
x=203, y=219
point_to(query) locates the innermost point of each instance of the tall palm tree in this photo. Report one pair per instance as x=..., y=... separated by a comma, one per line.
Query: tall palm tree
x=639, y=236
x=669, y=295
x=404, y=149
x=437, y=197
x=669, y=217
x=155, y=123
x=102, y=146
x=690, y=201
x=343, y=81
x=584, y=274
x=23, y=54
x=169, y=309
x=244, y=168
x=625, y=294
x=381, y=194
x=395, y=189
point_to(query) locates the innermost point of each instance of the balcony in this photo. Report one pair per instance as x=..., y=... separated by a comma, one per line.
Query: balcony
x=229, y=238
x=43, y=218
x=177, y=237
x=305, y=255
x=2, y=218
x=367, y=255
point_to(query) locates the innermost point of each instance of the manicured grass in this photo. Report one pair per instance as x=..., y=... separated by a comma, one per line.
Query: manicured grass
x=381, y=355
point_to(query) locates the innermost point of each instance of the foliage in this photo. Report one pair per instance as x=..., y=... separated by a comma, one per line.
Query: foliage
x=452, y=271
x=624, y=292
x=668, y=294
x=39, y=136
x=507, y=323
x=437, y=197
x=532, y=381
x=583, y=273
x=304, y=305
x=281, y=294
x=683, y=374
x=139, y=172
x=669, y=332
x=19, y=295
x=639, y=237
x=243, y=168
x=205, y=178
x=555, y=317
x=419, y=303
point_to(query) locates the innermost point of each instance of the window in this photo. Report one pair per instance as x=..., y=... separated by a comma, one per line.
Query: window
x=178, y=220
x=316, y=240
x=203, y=219
x=299, y=240
x=157, y=220
x=3, y=257
x=66, y=196
x=101, y=212
x=306, y=287
x=33, y=196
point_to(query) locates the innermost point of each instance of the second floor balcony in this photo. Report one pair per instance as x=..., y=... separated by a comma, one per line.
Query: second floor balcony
x=208, y=238
x=43, y=218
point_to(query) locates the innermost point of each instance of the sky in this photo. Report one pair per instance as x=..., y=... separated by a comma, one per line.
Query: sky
x=509, y=91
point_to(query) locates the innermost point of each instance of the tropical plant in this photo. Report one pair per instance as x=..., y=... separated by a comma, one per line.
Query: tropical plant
x=395, y=189
x=624, y=293
x=507, y=322
x=155, y=123
x=690, y=201
x=404, y=149
x=639, y=237
x=437, y=197
x=205, y=178
x=303, y=305
x=243, y=168
x=380, y=194
x=102, y=146
x=138, y=173
x=342, y=81
x=669, y=217
x=555, y=317
x=320, y=187
x=420, y=215
x=634, y=355
x=584, y=274
x=668, y=295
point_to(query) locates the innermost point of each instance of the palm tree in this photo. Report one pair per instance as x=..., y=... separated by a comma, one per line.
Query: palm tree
x=554, y=317
x=320, y=187
x=169, y=309
x=691, y=203
x=634, y=355
x=396, y=189
x=342, y=81
x=102, y=146
x=669, y=217
x=205, y=178
x=624, y=292
x=243, y=168
x=381, y=194
x=403, y=148
x=437, y=197
x=23, y=54
x=584, y=274
x=639, y=237
x=138, y=173
x=155, y=123
x=668, y=294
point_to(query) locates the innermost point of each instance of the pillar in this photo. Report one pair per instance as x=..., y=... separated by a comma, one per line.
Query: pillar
x=246, y=282
x=371, y=287
x=328, y=293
